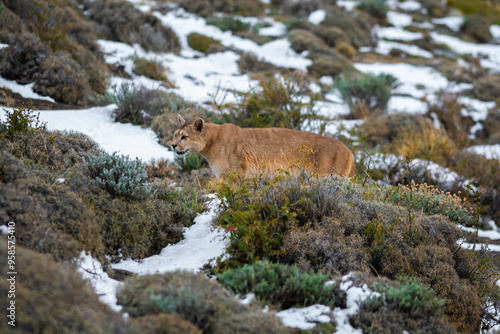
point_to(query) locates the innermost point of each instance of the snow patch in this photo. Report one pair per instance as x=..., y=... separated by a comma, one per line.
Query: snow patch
x=489, y=151
x=317, y=16
x=25, y=91
x=399, y=19
x=452, y=22
x=305, y=318
x=201, y=243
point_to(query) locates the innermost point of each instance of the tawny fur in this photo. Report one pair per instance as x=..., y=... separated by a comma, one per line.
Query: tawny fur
x=228, y=147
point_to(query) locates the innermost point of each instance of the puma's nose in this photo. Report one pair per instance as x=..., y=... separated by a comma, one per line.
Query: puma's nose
x=174, y=146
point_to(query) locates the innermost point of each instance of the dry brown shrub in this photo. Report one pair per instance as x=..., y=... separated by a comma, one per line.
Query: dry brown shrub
x=62, y=78
x=449, y=112
x=150, y=69
x=477, y=27
x=239, y=7
x=324, y=247
x=163, y=324
x=52, y=297
x=332, y=36
x=331, y=65
x=204, y=43
x=302, y=40
x=409, y=135
x=487, y=88
x=357, y=25
x=346, y=49
x=249, y=63
x=121, y=21
x=49, y=217
x=492, y=126
x=161, y=169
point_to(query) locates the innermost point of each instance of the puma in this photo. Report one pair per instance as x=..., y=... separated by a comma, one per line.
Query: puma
x=228, y=147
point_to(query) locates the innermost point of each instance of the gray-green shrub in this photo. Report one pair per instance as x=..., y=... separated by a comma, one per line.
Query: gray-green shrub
x=119, y=175
x=280, y=284
x=372, y=91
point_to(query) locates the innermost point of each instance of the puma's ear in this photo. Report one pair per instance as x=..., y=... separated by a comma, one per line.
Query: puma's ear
x=198, y=125
x=180, y=120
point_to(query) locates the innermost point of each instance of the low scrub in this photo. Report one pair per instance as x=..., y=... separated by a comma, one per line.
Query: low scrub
x=281, y=285
x=391, y=231
x=121, y=21
x=376, y=8
x=198, y=300
x=204, y=43
x=51, y=297
x=119, y=175
x=277, y=102
x=152, y=69
x=410, y=305
x=140, y=105
x=367, y=92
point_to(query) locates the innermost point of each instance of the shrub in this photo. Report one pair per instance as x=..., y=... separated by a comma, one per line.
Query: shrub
x=139, y=105
x=302, y=40
x=431, y=201
x=477, y=27
x=190, y=162
x=333, y=65
x=346, y=49
x=276, y=103
x=196, y=299
x=270, y=220
x=370, y=91
x=450, y=113
x=152, y=69
x=163, y=324
x=21, y=119
x=357, y=27
x=22, y=59
x=119, y=175
x=63, y=79
x=161, y=168
x=249, y=63
x=280, y=284
x=121, y=21
x=204, y=43
x=410, y=306
x=54, y=151
x=49, y=302
x=376, y=8
x=49, y=217
x=228, y=23
x=487, y=88
x=324, y=247
x=332, y=36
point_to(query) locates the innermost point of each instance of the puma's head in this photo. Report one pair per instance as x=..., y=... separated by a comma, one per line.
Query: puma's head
x=189, y=137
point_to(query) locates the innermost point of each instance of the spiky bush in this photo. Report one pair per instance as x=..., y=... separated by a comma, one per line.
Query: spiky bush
x=119, y=175
x=280, y=284
x=19, y=120
x=368, y=91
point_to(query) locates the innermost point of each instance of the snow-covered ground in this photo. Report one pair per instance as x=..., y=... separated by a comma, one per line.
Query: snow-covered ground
x=202, y=78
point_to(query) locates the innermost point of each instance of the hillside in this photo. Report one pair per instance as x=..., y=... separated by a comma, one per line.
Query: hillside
x=143, y=241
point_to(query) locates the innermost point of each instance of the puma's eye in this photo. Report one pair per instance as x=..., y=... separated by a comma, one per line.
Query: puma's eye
x=183, y=137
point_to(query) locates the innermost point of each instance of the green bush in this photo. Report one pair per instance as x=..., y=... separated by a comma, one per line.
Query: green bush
x=228, y=23
x=190, y=162
x=204, y=43
x=280, y=284
x=196, y=299
x=21, y=119
x=372, y=92
x=410, y=306
x=376, y=8
x=276, y=103
x=410, y=296
x=119, y=175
